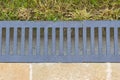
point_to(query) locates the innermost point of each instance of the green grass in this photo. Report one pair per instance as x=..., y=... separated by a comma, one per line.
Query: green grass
x=59, y=10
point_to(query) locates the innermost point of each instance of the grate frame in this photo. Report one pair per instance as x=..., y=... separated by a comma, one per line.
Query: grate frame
x=60, y=57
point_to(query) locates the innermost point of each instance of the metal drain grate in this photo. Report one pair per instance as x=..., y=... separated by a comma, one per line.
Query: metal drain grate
x=61, y=41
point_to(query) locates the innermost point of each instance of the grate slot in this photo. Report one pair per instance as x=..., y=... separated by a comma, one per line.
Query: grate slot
x=116, y=41
x=0, y=40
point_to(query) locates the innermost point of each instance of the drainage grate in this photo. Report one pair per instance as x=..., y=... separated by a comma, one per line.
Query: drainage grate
x=61, y=41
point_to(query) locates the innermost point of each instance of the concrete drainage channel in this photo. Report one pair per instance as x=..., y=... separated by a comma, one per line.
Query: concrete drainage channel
x=61, y=41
